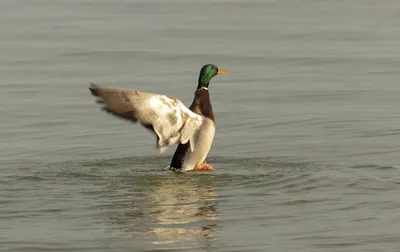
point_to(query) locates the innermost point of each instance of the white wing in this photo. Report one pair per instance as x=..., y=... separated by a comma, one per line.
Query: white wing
x=167, y=117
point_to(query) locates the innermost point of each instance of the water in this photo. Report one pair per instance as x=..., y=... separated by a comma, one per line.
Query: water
x=307, y=144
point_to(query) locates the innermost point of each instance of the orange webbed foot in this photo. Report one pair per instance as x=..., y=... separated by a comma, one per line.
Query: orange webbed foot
x=204, y=167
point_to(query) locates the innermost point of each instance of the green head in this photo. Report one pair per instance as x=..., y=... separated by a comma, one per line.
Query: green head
x=207, y=72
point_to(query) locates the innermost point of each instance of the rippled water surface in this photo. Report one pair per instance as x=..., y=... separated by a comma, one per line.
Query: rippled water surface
x=308, y=126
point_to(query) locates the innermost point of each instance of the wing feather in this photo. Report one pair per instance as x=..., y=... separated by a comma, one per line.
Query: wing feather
x=167, y=117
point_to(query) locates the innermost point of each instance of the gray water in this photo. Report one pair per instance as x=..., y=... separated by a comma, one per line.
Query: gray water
x=306, y=153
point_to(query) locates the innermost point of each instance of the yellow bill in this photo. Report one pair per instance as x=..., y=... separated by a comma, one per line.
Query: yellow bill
x=222, y=71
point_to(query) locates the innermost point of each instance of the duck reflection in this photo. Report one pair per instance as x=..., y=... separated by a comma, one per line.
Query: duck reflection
x=173, y=207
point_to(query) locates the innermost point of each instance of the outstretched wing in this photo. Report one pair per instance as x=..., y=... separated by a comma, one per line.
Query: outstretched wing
x=167, y=117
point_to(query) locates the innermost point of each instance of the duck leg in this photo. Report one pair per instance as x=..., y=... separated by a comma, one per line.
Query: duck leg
x=204, y=167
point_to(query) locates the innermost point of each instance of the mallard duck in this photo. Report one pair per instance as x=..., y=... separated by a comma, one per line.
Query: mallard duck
x=192, y=128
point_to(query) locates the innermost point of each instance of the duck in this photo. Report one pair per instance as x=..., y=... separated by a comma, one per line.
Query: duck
x=191, y=129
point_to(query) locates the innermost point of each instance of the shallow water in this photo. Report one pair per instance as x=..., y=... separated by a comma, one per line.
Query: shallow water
x=307, y=144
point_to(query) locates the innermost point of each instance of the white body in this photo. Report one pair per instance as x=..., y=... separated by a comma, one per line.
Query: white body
x=203, y=142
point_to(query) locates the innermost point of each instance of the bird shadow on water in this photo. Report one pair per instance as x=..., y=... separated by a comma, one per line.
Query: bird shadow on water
x=167, y=208
x=153, y=205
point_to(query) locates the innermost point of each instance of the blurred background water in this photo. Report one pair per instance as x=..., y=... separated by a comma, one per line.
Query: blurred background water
x=307, y=144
